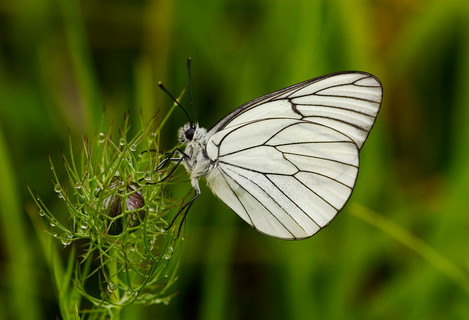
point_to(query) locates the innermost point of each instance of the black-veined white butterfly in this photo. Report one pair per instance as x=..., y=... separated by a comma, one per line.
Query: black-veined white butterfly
x=287, y=162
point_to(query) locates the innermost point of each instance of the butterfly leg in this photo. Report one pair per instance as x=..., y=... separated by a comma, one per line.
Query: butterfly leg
x=185, y=208
x=166, y=161
x=179, y=160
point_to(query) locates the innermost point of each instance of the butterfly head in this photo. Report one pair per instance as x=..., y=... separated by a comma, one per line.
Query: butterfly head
x=190, y=132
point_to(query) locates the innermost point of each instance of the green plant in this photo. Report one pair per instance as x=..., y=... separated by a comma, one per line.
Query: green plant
x=117, y=225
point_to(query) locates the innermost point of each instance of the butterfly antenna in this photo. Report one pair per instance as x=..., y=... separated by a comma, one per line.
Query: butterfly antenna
x=189, y=60
x=160, y=84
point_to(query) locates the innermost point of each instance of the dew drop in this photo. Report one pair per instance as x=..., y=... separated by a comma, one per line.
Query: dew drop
x=58, y=188
x=52, y=223
x=111, y=287
x=78, y=185
x=147, y=176
x=122, y=141
x=133, y=147
x=102, y=137
x=168, y=254
x=66, y=239
x=42, y=213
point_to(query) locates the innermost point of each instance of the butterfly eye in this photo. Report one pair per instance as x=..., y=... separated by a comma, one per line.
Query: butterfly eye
x=190, y=133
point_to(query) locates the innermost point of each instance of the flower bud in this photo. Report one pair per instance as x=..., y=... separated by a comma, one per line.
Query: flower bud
x=133, y=202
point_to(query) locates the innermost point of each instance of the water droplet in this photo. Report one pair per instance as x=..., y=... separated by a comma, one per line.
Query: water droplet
x=61, y=196
x=133, y=147
x=122, y=141
x=42, y=213
x=111, y=287
x=66, y=239
x=84, y=227
x=147, y=176
x=78, y=185
x=168, y=254
x=58, y=188
x=165, y=301
x=52, y=223
x=102, y=137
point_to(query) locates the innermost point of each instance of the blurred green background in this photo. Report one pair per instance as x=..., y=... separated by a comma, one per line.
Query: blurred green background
x=63, y=61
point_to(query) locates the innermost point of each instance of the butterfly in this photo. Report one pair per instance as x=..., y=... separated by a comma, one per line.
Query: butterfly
x=287, y=162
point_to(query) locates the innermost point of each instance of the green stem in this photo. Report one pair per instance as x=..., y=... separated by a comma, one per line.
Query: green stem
x=443, y=264
x=114, y=279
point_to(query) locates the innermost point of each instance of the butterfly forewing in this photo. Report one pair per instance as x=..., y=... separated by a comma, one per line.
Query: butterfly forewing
x=287, y=162
x=347, y=101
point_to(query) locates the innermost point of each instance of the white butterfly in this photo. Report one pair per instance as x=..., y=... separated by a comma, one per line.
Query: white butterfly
x=287, y=162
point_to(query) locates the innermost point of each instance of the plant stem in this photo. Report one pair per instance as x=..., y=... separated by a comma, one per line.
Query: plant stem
x=443, y=264
x=114, y=284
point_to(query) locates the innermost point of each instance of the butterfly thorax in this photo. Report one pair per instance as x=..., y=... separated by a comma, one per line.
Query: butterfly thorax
x=196, y=161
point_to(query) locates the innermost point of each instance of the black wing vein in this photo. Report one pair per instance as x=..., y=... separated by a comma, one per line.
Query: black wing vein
x=260, y=202
x=287, y=175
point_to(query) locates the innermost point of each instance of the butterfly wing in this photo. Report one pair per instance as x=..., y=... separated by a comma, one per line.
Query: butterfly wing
x=287, y=162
